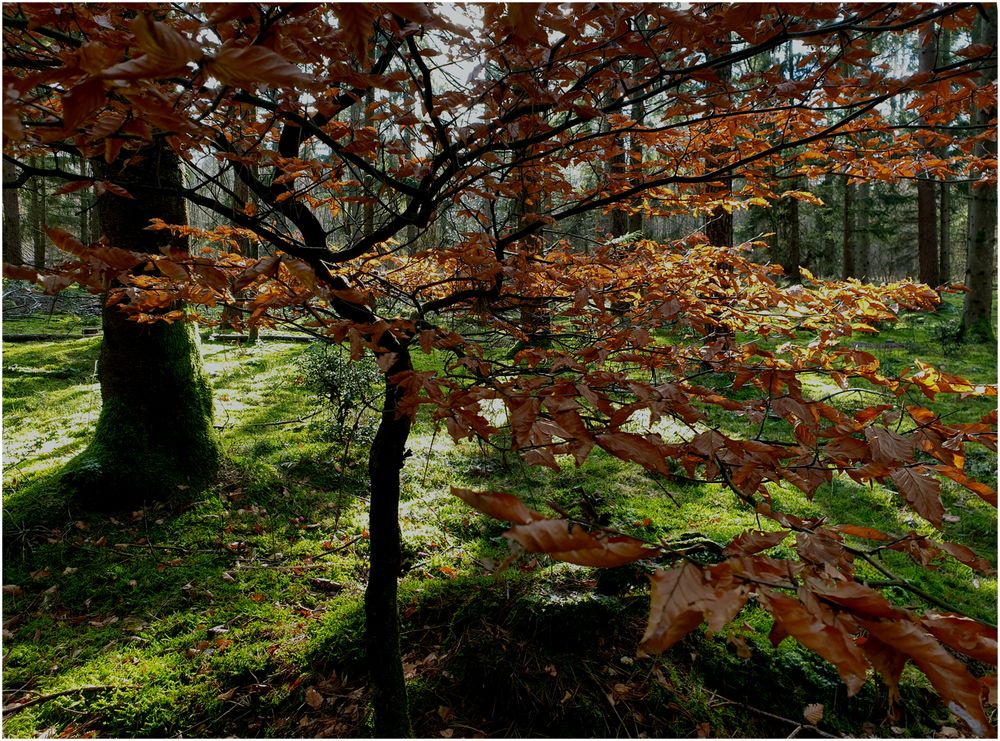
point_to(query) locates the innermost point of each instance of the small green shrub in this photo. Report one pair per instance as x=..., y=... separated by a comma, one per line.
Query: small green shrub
x=351, y=388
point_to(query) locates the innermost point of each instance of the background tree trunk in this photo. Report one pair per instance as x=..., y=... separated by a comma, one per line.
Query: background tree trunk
x=863, y=231
x=37, y=217
x=385, y=462
x=789, y=237
x=850, y=248
x=927, y=247
x=154, y=435
x=11, y=218
x=977, y=323
x=944, y=236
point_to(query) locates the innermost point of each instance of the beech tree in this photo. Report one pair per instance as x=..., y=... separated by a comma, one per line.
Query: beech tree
x=469, y=152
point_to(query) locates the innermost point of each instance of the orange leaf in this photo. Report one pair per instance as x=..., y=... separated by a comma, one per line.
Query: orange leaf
x=985, y=492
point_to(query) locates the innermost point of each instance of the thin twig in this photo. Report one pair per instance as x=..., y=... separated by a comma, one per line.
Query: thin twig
x=15, y=707
x=799, y=726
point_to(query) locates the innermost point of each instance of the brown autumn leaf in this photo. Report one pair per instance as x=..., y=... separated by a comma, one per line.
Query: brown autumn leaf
x=497, y=504
x=813, y=713
x=356, y=21
x=985, y=492
x=889, y=447
x=965, y=635
x=569, y=542
x=966, y=555
x=823, y=634
x=922, y=491
x=859, y=531
x=648, y=452
x=255, y=65
x=66, y=241
x=754, y=541
x=81, y=101
x=682, y=597
x=313, y=698
x=960, y=690
x=166, y=48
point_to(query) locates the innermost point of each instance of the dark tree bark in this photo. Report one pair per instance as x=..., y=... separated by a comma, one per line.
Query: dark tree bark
x=790, y=239
x=37, y=216
x=944, y=232
x=11, y=218
x=849, y=269
x=154, y=436
x=385, y=462
x=634, y=147
x=944, y=236
x=927, y=247
x=977, y=322
x=863, y=231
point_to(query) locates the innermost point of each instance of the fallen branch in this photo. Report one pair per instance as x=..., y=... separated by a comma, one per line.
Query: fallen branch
x=15, y=707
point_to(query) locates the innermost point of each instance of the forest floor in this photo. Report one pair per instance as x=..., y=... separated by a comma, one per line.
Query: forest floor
x=237, y=611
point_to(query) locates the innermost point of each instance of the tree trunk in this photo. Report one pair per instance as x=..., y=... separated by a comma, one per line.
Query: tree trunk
x=719, y=224
x=37, y=216
x=634, y=147
x=385, y=462
x=944, y=232
x=81, y=164
x=944, y=236
x=11, y=218
x=863, y=231
x=790, y=239
x=977, y=323
x=850, y=269
x=154, y=436
x=927, y=249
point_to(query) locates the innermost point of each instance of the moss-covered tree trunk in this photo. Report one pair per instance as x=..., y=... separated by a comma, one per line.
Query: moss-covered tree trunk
x=385, y=463
x=154, y=436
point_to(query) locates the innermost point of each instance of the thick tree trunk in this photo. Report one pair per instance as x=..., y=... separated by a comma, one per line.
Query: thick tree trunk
x=849, y=268
x=11, y=218
x=154, y=436
x=977, y=323
x=388, y=453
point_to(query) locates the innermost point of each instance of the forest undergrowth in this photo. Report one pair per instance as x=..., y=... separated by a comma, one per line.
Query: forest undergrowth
x=238, y=610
